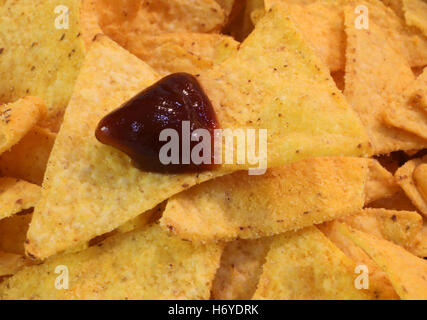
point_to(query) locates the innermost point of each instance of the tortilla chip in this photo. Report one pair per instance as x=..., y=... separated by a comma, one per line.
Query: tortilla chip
x=416, y=14
x=286, y=198
x=379, y=284
x=307, y=127
x=305, y=265
x=143, y=264
x=404, y=177
x=380, y=183
x=420, y=179
x=322, y=23
x=27, y=44
x=240, y=269
x=27, y=160
x=10, y=263
x=407, y=273
x=369, y=87
x=13, y=233
x=190, y=52
x=119, y=19
x=396, y=6
x=106, y=189
x=17, y=118
x=419, y=248
x=89, y=21
x=410, y=113
x=289, y=92
x=17, y=195
x=399, y=227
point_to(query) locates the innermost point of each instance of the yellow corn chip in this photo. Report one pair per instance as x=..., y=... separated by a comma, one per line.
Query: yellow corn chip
x=120, y=18
x=420, y=179
x=416, y=14
x=89, y=21
x=90, y=188
x=410, y=113
x=379, y=284
x=404, y=177
x=322, y=23
x=27, y=160
x=17, y=118
x=13, y=232
x=419, y=248
x=376, y=75
x=298, y=127
x=407, y=273
x=17, y=195
x=143, y=264
x=286, y=198
x=10, y=263
x=395, y=5
x=191, y=52
x=40, y=54
x=306, y=265
x=240, y=269
x=380, y=183
x=400, y=227
x=288, y=91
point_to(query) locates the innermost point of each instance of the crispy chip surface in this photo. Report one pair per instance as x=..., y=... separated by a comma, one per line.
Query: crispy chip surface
x=17, y=118
x=307, y=265
x=380, y=183
x=27, y=159
x=379, y=284
x=405, y=178
x=420, y=179
x=40, y=55
x=106, y=190
x=400, y=227
x=416, y=14
x=288, y=91
x=410, y=113
x=143, y=264
x=17, y=195
x=375, y=75
x=241, y=267
x=286, y=198
x=407, y=273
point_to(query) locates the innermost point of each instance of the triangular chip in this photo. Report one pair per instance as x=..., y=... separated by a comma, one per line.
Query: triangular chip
x=376, y=75
x=407, y=273
x=276, y=82
x=378, y=284
x=40, y=54
x=405, y=178
x=143, y=264
x=322, y=23
x=399, y=227
x=17, y=195
x=106, y=190
x=419, y=248
x=420, y=179
x=286, y=198
x=306, y=265
x=380, y=183
x=17, y=118
x=241, y=266
x=410, y=113
x=27, y=160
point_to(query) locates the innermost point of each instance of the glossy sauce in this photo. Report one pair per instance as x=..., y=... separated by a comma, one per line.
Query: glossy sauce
x=135, y=127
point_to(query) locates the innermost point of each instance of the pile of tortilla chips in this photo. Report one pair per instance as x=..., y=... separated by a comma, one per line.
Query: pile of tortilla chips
x=340, y=212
